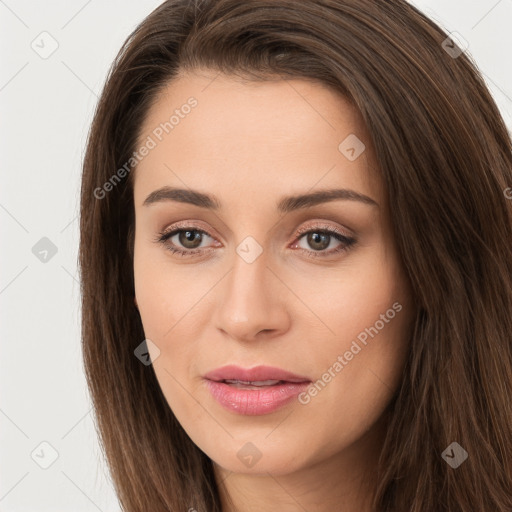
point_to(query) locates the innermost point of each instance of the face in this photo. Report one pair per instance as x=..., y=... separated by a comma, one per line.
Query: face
x=247, y=277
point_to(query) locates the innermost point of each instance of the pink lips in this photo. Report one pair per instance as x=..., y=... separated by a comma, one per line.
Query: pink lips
x=253, y=395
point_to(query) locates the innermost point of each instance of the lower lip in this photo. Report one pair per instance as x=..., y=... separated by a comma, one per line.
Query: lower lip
x=255, y=401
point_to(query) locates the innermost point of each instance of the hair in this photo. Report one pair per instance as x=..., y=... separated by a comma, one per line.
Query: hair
x=445, y=157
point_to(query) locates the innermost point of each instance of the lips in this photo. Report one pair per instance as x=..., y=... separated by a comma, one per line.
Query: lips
x=254, y=391
x=258, y=375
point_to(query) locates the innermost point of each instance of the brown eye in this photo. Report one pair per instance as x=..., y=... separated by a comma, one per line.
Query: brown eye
x=318, y=241
x=320, y=238
x=187, y=240
x=190, y=239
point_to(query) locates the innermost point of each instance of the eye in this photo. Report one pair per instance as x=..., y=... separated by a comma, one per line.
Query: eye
x=188, y=237
x=188, y=240
x=320, y=238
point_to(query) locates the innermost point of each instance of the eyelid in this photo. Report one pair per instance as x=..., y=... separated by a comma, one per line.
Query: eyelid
x=321, y=225
x=189, y=225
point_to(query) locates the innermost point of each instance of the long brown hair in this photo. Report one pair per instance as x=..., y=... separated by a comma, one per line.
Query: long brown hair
x=445, y=157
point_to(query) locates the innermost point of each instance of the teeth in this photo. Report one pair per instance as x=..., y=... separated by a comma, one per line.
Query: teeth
x=254, y=382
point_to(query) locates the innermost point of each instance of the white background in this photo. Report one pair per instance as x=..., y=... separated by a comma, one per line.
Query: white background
x=46, y=106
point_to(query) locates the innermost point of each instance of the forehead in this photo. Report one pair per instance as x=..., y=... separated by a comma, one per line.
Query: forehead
x=215, y=131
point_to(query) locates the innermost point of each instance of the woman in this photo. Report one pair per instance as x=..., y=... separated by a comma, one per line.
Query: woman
x=296, y=263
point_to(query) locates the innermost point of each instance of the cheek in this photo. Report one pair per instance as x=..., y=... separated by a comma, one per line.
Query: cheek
x=163, y=292
x=381, y=322
x=170, y=300
x=164, y=304
x=156, y=302
x=351, y=297
x=361, y=361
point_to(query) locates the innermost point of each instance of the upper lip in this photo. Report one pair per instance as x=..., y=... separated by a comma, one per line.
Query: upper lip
x=257, y=373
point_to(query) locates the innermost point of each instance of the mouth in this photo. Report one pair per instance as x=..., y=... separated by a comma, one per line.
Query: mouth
x=240, y=384
x=256, y=376
x=254, y=391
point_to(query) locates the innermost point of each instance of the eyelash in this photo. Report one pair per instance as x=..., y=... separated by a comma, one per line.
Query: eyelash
x=347, y=242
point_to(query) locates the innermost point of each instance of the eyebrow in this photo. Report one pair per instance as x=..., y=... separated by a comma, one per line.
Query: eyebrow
x=285, y=204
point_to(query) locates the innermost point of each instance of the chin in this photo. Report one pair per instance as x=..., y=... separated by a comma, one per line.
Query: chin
x=248, y=459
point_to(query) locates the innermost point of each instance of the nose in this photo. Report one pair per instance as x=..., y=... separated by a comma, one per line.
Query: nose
x=252, y=302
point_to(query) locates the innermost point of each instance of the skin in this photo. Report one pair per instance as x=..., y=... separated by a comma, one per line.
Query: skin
x=249, y=144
